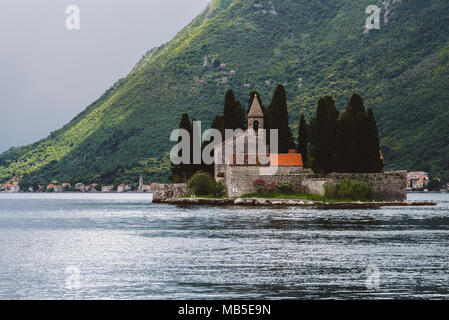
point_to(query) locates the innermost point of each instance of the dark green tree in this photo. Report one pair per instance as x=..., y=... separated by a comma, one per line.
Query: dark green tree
x=325, y=127
x=373, y=161
x=240, y=116
x=358, y=147
x=278, y=119
x=216, y=63
x=347, y=155
x=234, y=114
x=182, y=172
x=218, y=123
x=228, y=112
x=356, y=104
x=302, y=139
x=434, y=185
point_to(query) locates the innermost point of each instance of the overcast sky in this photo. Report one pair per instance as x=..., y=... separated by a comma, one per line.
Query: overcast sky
x=48, y=73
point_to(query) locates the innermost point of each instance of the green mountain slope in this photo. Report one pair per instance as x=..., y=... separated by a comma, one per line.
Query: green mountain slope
x=314, y=48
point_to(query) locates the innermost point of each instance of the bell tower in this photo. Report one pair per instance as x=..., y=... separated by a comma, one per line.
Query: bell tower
x=255, y=116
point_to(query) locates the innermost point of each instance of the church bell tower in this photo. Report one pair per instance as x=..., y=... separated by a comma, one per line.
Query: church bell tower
x=255, y=116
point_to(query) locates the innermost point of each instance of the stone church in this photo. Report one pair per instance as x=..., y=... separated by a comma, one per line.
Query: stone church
x=246, y=156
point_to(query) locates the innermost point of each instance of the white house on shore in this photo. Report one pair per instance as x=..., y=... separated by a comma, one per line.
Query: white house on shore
x=12, y=187
x=107, y=189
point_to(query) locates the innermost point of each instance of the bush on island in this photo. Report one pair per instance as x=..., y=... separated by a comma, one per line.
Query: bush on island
x=203, y=184
x=262, y=186
x=349, y=189
x=286, y=187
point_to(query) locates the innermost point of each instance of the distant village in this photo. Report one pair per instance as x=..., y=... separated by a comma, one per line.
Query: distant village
x=416, y=181
x=420, y=181
x=79, y=187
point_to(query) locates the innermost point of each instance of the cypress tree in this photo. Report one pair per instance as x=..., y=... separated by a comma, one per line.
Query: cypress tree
x=351, y=135
x=358, y=139
x=234, y=114
x=356, y=104
x=347, y=154
x=218, y=123
x=373, y=161
x=182, y=172
x=229, y=110
x=361, y=137
x=240, y=121
x=325, y=127
x=278, y=119
x=302, y=139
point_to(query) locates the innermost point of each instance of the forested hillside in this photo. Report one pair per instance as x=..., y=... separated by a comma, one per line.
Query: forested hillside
x=314, y=48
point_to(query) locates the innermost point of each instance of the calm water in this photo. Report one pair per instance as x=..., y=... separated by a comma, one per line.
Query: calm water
x=125, y=247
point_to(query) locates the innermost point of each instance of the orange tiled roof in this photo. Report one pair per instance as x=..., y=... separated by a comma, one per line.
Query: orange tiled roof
x=286, y=159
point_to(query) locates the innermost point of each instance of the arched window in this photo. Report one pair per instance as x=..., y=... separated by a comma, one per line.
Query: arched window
x=256, y=126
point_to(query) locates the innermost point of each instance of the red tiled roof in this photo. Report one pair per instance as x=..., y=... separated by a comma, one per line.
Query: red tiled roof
x=286, y=159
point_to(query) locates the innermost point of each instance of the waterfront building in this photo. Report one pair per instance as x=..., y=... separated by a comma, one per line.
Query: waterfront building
x=79, y=186
x=417, y=179
x=107, y=188
x=12, y=187
x=56, y=188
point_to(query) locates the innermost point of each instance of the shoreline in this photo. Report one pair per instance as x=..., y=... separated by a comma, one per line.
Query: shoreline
x=291, y=202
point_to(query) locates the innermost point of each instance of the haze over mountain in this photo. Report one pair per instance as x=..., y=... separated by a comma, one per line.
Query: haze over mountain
x=314, y=48
x=49, y=74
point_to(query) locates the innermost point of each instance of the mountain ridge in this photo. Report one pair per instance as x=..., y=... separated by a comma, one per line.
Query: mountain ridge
x=315, y=49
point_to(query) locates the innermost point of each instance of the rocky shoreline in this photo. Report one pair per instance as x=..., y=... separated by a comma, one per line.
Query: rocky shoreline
x=291, y=202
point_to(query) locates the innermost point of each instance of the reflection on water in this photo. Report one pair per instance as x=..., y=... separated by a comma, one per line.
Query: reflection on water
x=125, y=247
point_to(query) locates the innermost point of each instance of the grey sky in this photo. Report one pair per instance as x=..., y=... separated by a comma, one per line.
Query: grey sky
x=49, y=74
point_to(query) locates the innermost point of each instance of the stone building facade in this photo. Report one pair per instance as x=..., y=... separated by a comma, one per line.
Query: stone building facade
x=247, y=154
x=386, y=186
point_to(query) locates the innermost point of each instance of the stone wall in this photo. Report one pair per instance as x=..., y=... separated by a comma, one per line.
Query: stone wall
x=166, y=192
x=239, y=179
x=386, y=186
x=315, y=185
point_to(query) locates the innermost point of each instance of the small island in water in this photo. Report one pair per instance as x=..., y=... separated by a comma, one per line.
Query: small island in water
x=337, y=162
